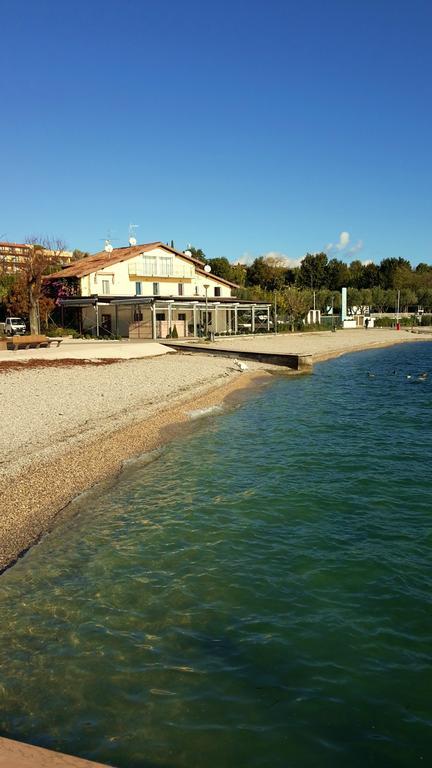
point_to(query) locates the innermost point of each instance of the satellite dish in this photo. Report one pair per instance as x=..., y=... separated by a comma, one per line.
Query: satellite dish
x=188, y=253
x=207, y=268
x=132, y=241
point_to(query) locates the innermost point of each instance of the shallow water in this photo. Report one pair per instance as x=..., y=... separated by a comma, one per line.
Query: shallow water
x=259, y=594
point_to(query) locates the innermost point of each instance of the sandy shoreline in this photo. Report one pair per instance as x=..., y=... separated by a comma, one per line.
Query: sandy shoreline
x=66, y=429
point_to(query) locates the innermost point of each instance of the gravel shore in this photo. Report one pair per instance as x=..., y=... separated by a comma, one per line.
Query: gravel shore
x=66, y=428
x=68, y=424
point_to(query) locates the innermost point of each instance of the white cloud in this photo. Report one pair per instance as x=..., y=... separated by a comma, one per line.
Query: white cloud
x=283, y=260
x=344, y=239
x=342, y=246
x=355, y=248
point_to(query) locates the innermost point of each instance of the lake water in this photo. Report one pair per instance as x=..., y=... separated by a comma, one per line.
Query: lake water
x=259, y=594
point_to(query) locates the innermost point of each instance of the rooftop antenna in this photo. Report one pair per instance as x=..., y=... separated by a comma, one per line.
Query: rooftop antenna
x=108, y=247
x=132, y=238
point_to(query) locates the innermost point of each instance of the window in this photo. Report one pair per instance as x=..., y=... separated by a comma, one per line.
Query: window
x=217, y=291
x=182, y=316
x=138, y=289
x=196, y=290
x=156, y=289
x=165, y=266
x=149, y=265
x=180, y=289
x=160, y=316
x=105, y=286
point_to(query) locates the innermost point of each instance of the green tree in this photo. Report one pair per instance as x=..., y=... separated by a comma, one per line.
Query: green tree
x=370, y=276
x=313, y=271
x=408, y=298
x=378, y=299
x=338, y=275
x=294, y=304
x=388, y=270
x=424, y=298
x=356, y=273
x=238, y=274
x=265, y=272
x=221, y=267
x=197, y=253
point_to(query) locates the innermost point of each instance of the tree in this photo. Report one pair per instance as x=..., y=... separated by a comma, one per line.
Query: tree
x=370, y=276
x=238, y=272
x=388, y=270
x=197, y=253
x=294, y=304
x=221, y=267
x=266, y=272
x=44, y=256
x=313, y=271
x=408, y=298
x=338, y=275
x=424, y=298
x=378, y=299
x=356, y=273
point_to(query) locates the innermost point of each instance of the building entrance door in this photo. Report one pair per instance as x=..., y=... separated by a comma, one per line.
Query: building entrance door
x=106, y=324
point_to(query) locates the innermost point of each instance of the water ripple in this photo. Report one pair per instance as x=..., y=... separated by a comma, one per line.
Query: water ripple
x=259, y=593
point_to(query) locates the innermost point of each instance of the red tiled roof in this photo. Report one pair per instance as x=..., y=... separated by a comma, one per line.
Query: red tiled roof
x=104, y=259
x=15, y=245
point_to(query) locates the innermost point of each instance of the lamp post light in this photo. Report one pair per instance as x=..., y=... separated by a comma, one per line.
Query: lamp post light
x=206, y=286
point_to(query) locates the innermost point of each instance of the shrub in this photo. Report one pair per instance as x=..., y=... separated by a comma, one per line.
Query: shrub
x=60, y=332
x=174, y=332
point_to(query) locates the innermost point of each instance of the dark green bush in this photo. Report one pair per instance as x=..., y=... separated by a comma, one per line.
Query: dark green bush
x=54, y=331
x=390, y=322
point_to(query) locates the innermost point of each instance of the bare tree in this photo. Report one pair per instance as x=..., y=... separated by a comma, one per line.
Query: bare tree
x=44, y=256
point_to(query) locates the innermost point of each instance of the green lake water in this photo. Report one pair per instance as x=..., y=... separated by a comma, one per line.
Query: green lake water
x=257, y=594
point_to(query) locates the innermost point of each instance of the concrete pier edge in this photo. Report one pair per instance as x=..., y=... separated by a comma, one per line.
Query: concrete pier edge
x=295, y=362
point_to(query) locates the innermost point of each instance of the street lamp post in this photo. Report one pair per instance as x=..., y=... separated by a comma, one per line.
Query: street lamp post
x=206, y=286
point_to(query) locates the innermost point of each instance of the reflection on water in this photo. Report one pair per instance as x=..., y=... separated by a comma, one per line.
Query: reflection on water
x=258, y=594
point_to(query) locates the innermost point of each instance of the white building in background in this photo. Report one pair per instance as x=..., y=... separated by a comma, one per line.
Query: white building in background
x=145, y=291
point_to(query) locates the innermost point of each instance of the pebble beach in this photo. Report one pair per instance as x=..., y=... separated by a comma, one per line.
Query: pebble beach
x=68, y=424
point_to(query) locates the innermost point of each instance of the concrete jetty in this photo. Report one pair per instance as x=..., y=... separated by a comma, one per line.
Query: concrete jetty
x=297, y=362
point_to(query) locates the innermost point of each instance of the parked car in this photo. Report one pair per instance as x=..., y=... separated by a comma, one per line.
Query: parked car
x=15, y=326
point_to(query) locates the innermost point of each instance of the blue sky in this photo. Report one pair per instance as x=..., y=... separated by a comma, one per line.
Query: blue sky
x=241, y=127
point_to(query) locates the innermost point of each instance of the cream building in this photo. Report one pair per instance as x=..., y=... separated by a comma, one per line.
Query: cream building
x=153, y=291
x=13, y=256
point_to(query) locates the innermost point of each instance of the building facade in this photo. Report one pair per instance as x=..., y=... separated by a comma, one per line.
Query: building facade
x=152, y=291
x=13, y=256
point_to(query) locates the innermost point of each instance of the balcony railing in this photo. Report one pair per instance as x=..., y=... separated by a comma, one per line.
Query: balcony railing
x=138, y=269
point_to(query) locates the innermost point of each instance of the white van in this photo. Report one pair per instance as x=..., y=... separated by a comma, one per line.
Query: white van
x=14, y=326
